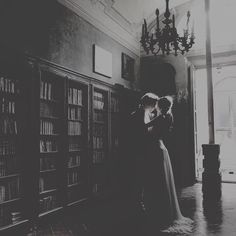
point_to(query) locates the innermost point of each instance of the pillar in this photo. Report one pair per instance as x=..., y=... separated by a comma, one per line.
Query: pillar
x=211, y=177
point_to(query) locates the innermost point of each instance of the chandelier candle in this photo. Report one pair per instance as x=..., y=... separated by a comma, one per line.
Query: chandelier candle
x=167, y=39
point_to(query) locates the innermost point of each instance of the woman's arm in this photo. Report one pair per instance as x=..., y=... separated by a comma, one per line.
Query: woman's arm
x=152, y=122
x=160, y=125
x=154, y=127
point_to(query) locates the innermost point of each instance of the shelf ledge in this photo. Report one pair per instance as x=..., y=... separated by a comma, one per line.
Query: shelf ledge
x=10, y=201
x=6, y=227
x=77, y=202
x=50, y=211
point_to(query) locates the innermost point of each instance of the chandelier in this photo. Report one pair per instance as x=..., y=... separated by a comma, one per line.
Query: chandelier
x=167, y=39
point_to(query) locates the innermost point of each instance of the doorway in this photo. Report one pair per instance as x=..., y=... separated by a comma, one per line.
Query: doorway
x=224, y=84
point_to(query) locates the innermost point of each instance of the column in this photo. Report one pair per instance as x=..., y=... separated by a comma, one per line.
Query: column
x=211, y=177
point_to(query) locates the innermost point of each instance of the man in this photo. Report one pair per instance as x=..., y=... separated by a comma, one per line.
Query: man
x=139, y=143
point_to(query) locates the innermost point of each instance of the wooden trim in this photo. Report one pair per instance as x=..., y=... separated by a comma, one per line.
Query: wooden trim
x=63, y=71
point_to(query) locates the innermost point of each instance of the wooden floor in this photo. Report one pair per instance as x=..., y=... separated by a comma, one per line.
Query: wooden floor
x=126, y=219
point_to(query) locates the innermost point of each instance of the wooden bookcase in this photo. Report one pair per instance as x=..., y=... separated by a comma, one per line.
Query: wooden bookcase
x=11, y=157
x=77, y=160
x=99, y=140
x=115, y=109
x=59, y=135
x=51, y=120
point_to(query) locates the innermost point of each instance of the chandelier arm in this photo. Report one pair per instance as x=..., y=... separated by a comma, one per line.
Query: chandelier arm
x=155, y=50
x=166, y=39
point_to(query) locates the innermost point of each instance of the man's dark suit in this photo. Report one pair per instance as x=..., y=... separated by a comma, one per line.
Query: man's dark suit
x=138, y=151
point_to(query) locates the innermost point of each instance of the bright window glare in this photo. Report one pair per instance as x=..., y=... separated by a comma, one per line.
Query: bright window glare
x=223, y=18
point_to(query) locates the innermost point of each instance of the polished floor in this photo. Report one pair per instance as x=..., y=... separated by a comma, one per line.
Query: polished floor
x=216, y=218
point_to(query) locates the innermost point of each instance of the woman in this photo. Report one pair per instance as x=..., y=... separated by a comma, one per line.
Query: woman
x=170, y=215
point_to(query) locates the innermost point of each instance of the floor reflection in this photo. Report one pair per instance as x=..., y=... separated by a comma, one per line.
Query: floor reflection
x=214, y=215
x=211, y=217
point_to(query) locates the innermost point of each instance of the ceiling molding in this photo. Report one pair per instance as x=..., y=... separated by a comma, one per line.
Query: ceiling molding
x=104, y=17
x=109, y=4
x=223, y=58
x=118, y=18
x=175, y=7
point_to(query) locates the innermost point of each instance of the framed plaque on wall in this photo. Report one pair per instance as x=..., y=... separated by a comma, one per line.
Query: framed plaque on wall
x=102, y=61
x=127, y=67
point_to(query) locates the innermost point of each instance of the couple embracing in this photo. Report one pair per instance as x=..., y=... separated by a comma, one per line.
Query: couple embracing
x=155, y=187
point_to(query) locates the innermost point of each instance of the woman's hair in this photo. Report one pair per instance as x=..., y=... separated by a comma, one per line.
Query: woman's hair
x=165, y=104
x=149, y=99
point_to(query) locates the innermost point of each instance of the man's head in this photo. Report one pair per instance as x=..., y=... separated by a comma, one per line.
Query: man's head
x=165, y=104
x=149, y=100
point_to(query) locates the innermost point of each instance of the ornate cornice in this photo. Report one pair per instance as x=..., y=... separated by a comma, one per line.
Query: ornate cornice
x=219, y=57
x=103, y=16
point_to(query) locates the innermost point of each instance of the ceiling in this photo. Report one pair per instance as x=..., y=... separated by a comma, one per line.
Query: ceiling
x=135, y=10
x=122, y=20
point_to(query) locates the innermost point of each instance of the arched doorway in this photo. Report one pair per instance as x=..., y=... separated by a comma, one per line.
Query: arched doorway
x=225, y=125
x=224, y=80
x=159, y=78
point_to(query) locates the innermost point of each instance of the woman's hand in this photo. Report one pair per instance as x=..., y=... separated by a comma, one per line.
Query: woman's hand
x=158, y=111
x=150, y=129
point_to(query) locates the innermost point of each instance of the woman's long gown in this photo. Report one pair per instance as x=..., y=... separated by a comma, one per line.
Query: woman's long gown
x=161, y=198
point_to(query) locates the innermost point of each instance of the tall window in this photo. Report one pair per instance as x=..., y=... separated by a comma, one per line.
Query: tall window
x=223, y=35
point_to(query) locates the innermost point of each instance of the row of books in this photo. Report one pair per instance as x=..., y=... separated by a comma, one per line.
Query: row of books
x=73, y=146
x=7, y=106
x=48, y=110
x=72, y=177
x=74, y=160
x=8, y=217
x=8, y=85
x=97, y=188
x=47, y=183
x=16, y=217
x=48, y=146
x=99, y=116
x=98, y=142
x=115, y=142
x=10, y=190
x=47, y=163
x=75, y=96
x=47, y=127
x=98, y=101
x=74, y=128
x=8, y=166
x=115, y=105
x=74, y=113
x=47, y=203
x=46, y=90
x=98, y=157
x=7, y=147
x=99, y=130
x=8, y=125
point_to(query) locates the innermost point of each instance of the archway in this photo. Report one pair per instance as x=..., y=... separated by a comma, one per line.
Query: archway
x=225, y=125
x=224, y=118
x=159, y=78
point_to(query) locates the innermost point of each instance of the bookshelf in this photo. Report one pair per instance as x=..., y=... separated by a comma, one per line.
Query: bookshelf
x=77, y=147
x=11, y=211
x=115, y=123
x=51, y=105
x=58, y=131
x=99, y=141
